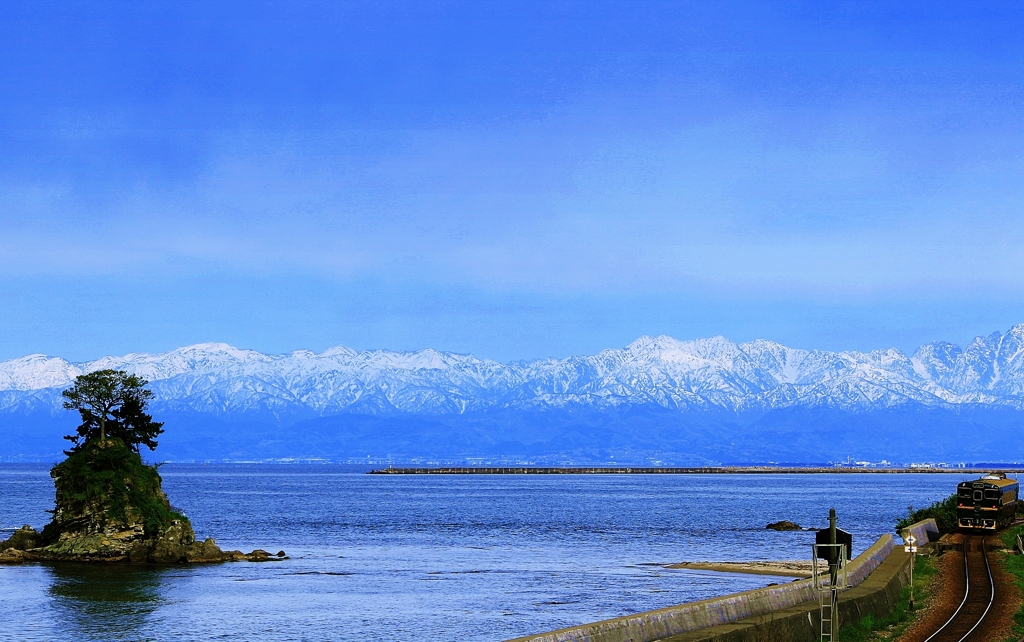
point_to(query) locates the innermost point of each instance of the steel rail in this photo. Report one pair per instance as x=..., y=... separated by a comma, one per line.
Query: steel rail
x=967, y=591
x=992, y=594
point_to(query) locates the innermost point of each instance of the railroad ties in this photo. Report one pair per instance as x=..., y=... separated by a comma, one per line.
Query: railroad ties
x=979, y=592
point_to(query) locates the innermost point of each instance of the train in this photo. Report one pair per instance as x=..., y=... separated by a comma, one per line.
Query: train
x=987, y=503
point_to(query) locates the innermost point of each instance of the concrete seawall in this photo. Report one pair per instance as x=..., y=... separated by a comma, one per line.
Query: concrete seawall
x=877, y=595
x=924, y=531
x=695, y=616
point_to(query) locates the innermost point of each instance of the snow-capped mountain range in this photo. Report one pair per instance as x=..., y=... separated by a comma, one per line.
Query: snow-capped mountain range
x=701, y=374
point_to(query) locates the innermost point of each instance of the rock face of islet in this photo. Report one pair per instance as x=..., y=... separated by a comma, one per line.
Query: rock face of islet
x=111, y=508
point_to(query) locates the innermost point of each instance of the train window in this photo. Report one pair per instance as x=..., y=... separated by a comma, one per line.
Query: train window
x=965, y=492
x=991, y=494
x=978, y=496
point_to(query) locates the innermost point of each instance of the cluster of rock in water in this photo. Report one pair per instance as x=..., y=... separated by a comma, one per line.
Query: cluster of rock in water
x=103, y=527
x=784, y=525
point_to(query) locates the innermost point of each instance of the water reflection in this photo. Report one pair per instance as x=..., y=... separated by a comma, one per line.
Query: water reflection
x=105, y=602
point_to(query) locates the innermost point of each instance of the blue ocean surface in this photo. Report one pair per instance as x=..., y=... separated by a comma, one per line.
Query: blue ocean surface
x=433, y=557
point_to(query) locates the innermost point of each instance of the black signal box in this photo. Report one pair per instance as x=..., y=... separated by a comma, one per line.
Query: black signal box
x=842, y=537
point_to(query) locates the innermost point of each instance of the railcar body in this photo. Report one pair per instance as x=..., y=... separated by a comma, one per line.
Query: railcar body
x=987, y=503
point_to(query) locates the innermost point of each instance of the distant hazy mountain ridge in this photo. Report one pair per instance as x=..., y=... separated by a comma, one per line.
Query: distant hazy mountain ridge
x=681, y=375
x=658, y=400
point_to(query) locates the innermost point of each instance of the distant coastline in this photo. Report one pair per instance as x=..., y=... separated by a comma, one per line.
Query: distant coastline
x=639, y=470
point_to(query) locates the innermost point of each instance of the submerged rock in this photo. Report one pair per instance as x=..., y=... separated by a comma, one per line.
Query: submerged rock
x=110, y=507
x=784, y=526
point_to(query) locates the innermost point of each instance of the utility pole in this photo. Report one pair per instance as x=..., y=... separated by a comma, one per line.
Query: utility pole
x=833, y=546
x=833, y=571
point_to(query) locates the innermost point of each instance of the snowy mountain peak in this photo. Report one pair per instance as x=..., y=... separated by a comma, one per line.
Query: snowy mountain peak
x=205, y=352
x=669, y=350
x=339, y=351
x=692, y=375
x=36, y=371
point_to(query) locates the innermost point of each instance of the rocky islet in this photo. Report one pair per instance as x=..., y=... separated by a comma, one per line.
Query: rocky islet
x=110, y=508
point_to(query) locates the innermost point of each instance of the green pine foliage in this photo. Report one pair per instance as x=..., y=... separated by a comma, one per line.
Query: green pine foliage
x=112, y=403
x=110, y=480
x=943, y=511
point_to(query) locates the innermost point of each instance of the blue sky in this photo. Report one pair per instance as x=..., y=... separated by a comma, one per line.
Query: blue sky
x=514, y=180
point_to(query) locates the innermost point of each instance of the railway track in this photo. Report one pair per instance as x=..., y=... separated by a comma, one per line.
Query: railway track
x=965, y=625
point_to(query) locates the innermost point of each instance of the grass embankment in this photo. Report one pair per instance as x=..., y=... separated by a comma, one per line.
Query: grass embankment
x=1014, y=564
x=870, y=628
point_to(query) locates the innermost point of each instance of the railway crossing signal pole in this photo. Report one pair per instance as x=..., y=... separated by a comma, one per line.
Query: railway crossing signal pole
x=832, y=545
x=911, y=547
x=833, y=571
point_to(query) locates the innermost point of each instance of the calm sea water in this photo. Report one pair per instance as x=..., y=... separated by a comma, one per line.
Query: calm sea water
x=433, y=557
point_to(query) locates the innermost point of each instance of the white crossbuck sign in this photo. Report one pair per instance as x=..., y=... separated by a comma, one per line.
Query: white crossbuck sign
x=910, y=541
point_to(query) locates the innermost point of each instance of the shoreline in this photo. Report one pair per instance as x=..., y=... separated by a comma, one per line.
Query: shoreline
x=786, y=568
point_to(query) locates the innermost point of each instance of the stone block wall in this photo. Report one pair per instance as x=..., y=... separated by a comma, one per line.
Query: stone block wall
x=660, y=624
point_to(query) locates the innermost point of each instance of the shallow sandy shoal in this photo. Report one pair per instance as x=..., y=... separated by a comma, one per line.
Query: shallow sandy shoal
x=790, y=568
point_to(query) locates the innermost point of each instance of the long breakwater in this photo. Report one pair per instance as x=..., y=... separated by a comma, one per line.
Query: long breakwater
x=661, y=470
